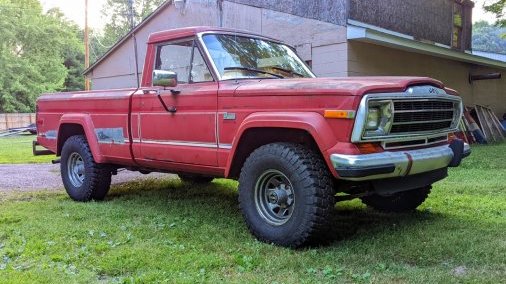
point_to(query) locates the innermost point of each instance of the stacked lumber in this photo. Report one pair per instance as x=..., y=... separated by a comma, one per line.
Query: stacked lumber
x=480, y=125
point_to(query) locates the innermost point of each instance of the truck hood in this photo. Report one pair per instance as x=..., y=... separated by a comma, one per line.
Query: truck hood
x=346, y=86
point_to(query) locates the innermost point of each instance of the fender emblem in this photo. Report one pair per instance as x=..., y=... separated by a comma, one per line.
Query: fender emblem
x=229, y=116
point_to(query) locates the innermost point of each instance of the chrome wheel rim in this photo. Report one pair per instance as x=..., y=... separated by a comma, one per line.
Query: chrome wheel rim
x=75, y=169
x=274, y=197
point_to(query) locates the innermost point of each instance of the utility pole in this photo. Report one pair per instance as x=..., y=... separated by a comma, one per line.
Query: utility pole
x=134, y=39
x=86, y=46
x=131, y=13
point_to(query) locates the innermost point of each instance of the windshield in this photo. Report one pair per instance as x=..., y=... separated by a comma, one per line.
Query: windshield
x=239, y=57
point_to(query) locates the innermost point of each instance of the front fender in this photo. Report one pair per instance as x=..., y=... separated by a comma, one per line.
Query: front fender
x=85, y=121
x=312, y=122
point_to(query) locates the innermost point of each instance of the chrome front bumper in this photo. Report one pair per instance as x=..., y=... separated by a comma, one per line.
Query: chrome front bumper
x=398, y=164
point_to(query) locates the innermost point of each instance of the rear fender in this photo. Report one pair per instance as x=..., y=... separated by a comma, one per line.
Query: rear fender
x=85, y=121
x=311, y=122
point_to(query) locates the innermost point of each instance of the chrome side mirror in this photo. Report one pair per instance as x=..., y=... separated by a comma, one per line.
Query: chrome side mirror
x=164, y=78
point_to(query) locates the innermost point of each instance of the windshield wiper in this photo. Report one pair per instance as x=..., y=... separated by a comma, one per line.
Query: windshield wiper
x=287, y=71
x=253, y=70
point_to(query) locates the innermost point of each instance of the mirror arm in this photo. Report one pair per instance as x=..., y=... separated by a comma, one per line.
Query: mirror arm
x=171, y=109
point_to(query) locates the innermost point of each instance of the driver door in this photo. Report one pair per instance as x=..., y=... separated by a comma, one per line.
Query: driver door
x=187, y=133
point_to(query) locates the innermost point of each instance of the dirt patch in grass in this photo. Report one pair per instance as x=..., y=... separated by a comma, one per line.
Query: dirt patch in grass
x=36, y=177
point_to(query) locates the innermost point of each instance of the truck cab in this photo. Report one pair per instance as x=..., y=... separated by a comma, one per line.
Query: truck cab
x=225, y=103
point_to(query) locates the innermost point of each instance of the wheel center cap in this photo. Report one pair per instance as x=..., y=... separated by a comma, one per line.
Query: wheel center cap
x=278, y=196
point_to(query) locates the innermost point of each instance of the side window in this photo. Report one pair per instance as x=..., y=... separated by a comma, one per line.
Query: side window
x=175, y=57
x=199, y=72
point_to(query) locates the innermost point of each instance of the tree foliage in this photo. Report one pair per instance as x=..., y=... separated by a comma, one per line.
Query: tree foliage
x=117, y=15
x=39, y=52
x=72, y=51
x=487, y=37
x=497, y=7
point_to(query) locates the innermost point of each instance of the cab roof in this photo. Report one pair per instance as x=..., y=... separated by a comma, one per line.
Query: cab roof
x=192, y=31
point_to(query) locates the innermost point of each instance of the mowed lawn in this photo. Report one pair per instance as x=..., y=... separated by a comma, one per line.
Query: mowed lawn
x=18, y=150
x=165, y=231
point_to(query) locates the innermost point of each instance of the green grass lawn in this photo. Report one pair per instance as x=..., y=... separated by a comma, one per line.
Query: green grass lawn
x=18, y=150
x=164, y=231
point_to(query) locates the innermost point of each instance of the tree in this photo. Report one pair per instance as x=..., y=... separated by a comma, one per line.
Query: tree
x=487, y=37
x=497, y=7
x=73, y=52
x=33, y=50
x=117, y=13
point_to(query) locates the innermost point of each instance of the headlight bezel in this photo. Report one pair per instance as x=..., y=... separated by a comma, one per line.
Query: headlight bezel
x=385, y=118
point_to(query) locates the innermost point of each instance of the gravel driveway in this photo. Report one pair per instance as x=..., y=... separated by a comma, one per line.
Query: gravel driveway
x=33, y=177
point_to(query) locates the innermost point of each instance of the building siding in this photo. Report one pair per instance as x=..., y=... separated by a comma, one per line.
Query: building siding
x=330, y=11
x=366, y=59
x=331, y=60
x=301, y=32
x=428, y=20
x=490, y=93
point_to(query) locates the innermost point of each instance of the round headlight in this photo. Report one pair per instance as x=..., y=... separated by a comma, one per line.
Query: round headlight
x=373, y=119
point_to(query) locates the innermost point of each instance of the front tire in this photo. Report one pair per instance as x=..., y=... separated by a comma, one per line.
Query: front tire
x=404, y=201
x=83, y=179
x=286, y=195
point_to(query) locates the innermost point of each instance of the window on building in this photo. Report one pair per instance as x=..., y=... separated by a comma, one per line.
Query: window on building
x=458, y=25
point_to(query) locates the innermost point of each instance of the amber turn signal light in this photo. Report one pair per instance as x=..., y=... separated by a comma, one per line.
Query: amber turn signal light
x=368, y=148
x=346, y=114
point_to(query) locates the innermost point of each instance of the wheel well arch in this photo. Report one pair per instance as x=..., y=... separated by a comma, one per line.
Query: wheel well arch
x=68, y=130
x=255, y=137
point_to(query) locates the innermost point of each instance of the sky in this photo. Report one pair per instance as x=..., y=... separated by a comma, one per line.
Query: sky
x=480, y=14
x=74, y=10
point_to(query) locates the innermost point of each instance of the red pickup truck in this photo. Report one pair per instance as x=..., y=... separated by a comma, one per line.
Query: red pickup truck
x=230, y=104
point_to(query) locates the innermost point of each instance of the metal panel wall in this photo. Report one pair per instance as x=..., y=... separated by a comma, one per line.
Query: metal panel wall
x=330, y=11
x=430, y=20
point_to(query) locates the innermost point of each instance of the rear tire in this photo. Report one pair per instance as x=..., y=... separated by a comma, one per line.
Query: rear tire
x=286, y=195
x=404, y=201
x=195, y=179
x=83, y=179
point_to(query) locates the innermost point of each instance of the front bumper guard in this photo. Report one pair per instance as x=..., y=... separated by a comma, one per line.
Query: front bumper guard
x=399, y=164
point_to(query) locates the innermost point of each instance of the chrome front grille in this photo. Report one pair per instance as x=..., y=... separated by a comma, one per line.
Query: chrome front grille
x=422, y=115
x=414, y=117
x=415, y=143
x=422, y=105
